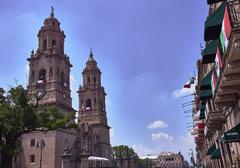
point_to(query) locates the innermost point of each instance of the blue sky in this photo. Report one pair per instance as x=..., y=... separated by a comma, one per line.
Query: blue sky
x=146, y=50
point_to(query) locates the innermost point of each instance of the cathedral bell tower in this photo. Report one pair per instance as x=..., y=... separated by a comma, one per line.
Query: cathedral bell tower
x=49, y=67
x=92, y=108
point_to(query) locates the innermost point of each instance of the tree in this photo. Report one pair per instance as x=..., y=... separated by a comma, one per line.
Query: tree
x=19, y=116
x=125, y=155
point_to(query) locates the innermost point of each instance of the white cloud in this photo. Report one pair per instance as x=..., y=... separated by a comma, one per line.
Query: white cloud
x=157, y=124
x=185, y=144
x=182, y=144
x=141, y=150
x=161, y=136
x=183, y=92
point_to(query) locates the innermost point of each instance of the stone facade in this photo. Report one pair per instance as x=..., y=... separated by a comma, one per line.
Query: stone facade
x=49, y=84
x=49, y=67
x=92, y=108
x=169, y=160
x=93, y=130
x=166, y=160
x=49, y=144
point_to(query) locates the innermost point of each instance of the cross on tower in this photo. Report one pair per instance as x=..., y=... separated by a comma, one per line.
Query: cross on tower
x=52, y=11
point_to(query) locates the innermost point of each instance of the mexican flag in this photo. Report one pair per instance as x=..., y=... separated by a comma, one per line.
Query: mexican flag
x=213, y=83
x=218, y=61
x=191, y=81
x=225, y=32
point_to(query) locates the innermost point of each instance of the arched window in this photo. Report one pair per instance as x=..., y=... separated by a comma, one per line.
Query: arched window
x=53, y=43
x=41, y=78
x=42, y=74
x=88, y=104
x=62, y=80
x=82, y=105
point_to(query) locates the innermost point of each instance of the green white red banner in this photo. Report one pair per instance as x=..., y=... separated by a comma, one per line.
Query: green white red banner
x=218, y=62
x=225, y=32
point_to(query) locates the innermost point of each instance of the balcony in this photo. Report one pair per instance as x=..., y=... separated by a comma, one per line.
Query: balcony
x=228, y=89
x=234, y=11
x=215, y=119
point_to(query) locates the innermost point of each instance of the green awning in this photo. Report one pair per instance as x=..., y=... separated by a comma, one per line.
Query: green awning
x=216, y=154
x=232, y=135
x=213, y=1
x=205, y=83
x=209, y=53
x=211, y=149
x=205, y=94
x=213, y=24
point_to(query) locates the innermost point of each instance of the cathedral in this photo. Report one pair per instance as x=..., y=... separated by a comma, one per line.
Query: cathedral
x=49, y=83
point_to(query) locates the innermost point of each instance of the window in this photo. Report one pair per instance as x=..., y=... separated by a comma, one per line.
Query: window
x=32, y=159
x=42, y=74
x=32, y=142
x=88, y=104
x=88, y=79
x=53, y=43
x=62, y=80
x=44, y=44
x=82, y=105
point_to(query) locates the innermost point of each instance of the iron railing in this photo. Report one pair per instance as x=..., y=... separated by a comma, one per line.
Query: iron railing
x=234, y=12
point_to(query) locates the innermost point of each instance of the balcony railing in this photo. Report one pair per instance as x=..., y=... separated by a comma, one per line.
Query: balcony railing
x=228, y=85
x=215, y=119
x=234, y=11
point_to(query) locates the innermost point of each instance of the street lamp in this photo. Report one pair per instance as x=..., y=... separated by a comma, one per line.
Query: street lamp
x=41, y=145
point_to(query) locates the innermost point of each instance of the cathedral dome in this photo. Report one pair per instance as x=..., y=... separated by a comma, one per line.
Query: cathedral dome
x=91, y=62
x=51, y=23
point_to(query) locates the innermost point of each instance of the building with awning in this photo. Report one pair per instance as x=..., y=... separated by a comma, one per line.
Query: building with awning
x=216, y=154
x=218, y=88
x=213, y=24
x=211, y=149
x=232, y=135
x=209, y=53
x=213, y=1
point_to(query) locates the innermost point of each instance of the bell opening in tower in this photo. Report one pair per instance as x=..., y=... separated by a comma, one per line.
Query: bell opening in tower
x=88, y=104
